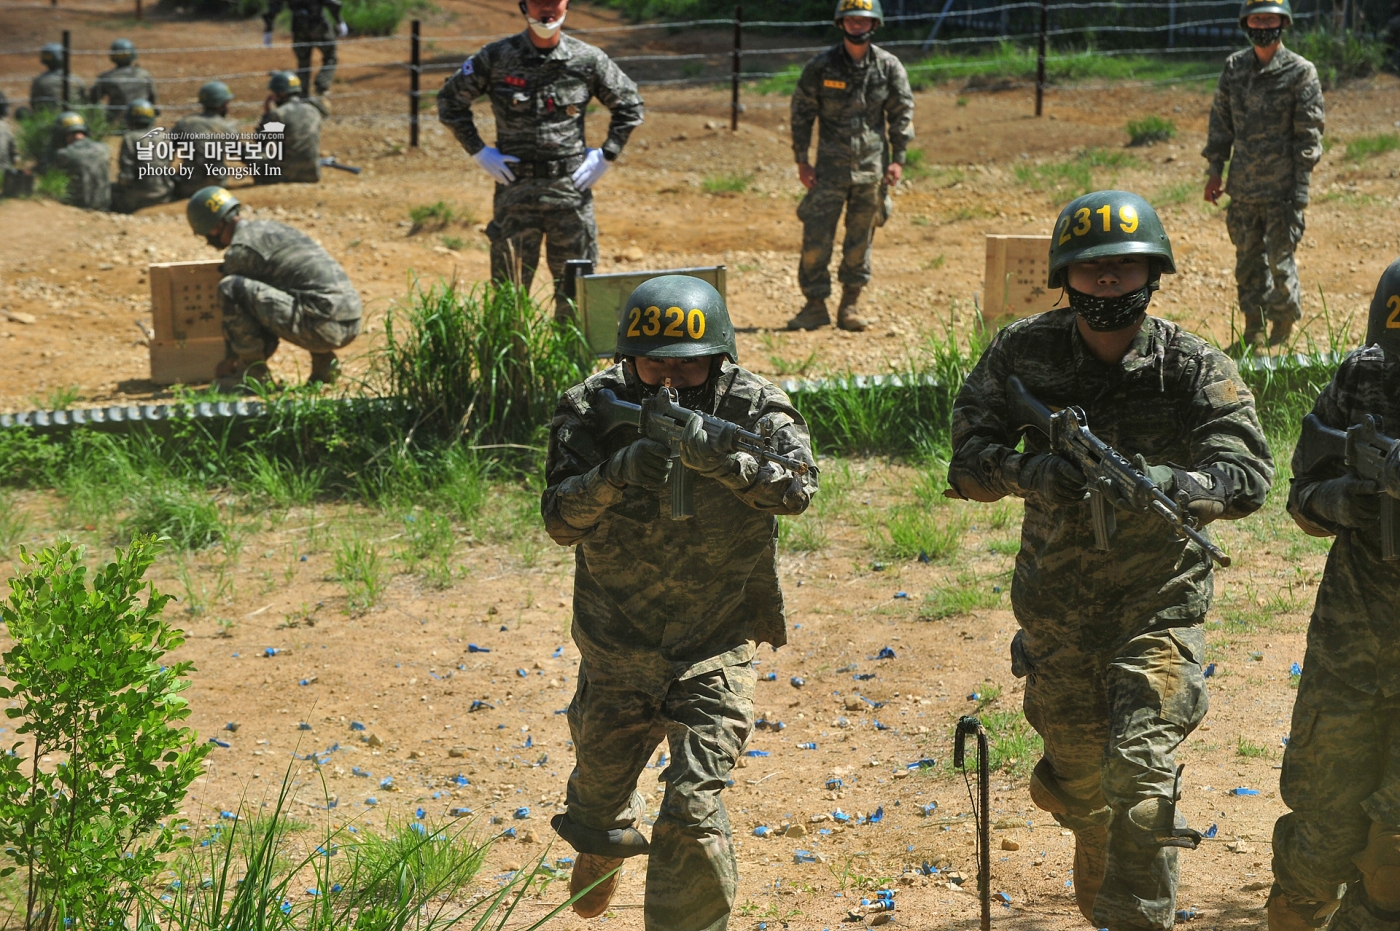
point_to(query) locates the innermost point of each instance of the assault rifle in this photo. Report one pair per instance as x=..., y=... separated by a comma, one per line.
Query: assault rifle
x=1363, y=448
x=1109, y=474
x=330, y=162
x=663, y=419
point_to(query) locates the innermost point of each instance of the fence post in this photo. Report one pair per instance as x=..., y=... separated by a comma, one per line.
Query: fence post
x=1040, y=58
x=1171, y=24
x=738, y=54
x=67, y=48
x=415, y=61
x=138, y=10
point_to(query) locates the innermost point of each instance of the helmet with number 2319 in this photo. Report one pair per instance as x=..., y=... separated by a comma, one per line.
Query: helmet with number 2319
x=1106, y=224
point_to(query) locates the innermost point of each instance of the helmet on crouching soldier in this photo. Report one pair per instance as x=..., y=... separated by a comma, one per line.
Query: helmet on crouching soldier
x=676, y=317
x=209, y=207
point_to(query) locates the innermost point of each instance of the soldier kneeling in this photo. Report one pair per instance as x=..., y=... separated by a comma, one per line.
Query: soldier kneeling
x=142, y=182
x=301, y=131
x=277, y=284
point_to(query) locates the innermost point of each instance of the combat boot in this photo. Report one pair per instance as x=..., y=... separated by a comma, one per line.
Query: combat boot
x=325, y=368
x=812, y=316
x=846, y=316
x=1287, y=913
x=1254, y=340
x=587, y=869
x=1280, y=333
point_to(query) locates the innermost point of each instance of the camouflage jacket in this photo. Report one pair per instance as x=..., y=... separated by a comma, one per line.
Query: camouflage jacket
x=301, y=139
x=656, y=598
x=8, y=152
x=308, y=17
x=1267, y=123
x=121, y=86
x=1355, y=630
x=540, y=98
x=1173, y=399
x=153, y=187
x=46, y=91
x=202, y=129
x=291, y=261
x=88, y=164
x=866, y=111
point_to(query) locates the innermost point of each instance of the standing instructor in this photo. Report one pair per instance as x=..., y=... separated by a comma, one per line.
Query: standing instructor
x=540, y=83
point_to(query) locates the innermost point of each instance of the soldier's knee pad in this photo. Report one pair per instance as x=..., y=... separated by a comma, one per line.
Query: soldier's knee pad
x=1049, y=795
x=1153, y=822
x=627, y=842
x=1380, y=867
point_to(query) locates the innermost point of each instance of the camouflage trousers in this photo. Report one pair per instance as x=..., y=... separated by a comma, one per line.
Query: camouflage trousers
x=1266, y=274
x=530, y=211
x=1341, y=773
x=1111, y=723
x=257, y=316
x=705, y=719
x=134, y=197
x=303, y=44
x=819, y=212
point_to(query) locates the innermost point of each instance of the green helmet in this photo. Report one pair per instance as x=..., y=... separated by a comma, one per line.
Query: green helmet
x=214, y=95
x=122, y=52
x=1104, y=224
x=1384, y=328
x=870, y=9
x=284, y=82
x=676, y=317
x=1281, y=7
x=68, y=123
x=208, y=208
x=140, y=113
x=4, y=104
x=51, y=55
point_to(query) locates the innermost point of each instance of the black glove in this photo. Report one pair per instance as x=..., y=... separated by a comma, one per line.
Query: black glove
x=1204, y=494
x=701, y=452
x=1053, y=478
x=1347, y=501
x=646, y=463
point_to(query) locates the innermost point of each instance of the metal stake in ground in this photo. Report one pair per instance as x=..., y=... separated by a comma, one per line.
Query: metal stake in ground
x=1040, y=57
x=738, y=55
x=414, y=62
x=981, y=808
x=67, y=51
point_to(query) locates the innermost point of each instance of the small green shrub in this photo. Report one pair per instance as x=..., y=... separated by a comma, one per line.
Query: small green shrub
x=92, y=690
x=455, y=243
x=915, y=163
x=373, y=17
x=360, y=571
x=726, y=184
x=1150, y=129
x=1338, y=57
x=433, y=216
x=52, y=184
x=1364, y=147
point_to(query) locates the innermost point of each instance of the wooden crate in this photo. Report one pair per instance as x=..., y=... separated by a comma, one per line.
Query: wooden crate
x=1014, y=287
x=188, y=322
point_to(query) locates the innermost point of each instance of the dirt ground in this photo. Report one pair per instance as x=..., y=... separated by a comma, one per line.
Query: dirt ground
x=404, y=669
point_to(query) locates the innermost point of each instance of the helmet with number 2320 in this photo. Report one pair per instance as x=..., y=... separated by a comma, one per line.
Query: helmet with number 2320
x=1105, y=224
x=1384, y=328
x=676, y=317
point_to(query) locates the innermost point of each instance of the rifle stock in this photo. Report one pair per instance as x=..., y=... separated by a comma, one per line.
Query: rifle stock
x=1363, y=448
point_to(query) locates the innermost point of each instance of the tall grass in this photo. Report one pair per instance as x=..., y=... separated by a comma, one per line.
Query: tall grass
x=1339, y=57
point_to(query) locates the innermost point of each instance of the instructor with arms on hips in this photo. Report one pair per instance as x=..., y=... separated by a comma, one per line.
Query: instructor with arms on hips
x=540, y=83
x=860, y=92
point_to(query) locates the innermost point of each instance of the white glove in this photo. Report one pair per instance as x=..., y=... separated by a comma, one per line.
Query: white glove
x=496, y=165
x=267, y=39
x=593, y=167
x=342, y=30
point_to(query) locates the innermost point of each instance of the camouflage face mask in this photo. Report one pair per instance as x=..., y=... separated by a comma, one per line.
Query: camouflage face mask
x=1104, y=314
x=1263, y=38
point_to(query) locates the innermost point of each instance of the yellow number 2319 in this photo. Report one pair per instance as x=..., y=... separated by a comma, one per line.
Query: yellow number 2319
x=1084, y=220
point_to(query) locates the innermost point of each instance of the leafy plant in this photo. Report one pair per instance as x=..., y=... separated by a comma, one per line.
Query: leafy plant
x=1248, y=749
x=726, y=184
x=1150, y=129
x=88, y=812
x=360, y=571
x=52, y=184
x=434, y=216
x=1339, y=57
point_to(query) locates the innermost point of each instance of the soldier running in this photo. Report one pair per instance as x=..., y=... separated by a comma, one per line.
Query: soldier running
x=301, y=133
x=86, y=162
x=46, y=91
x=204, y=133
x=861, y=95
x=667, y=613
x=310, y=31
x=1266, y=121
x=278, y=284
x=1339, y=777
x=540, y=82
x=123, y=84
x=1111, y=642
x=141, y=182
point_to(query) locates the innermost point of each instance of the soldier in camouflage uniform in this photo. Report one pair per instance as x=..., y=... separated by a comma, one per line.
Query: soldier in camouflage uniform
x=860, y=92
x=540, y=83
x=1111, y=642
x=136, y=188
x=46, y=91
x=1339, y=769
x=126, y=82
x=1266, y=121
x=310, y=31
x=301, y=135
x=203, y=132
x=668, y=613
x=9, y=154
x=86, y=162
x=278, y=284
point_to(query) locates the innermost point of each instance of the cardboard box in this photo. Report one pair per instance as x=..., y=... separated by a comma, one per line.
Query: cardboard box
x=602, y=299
x=1014, y=287
x=188, y=322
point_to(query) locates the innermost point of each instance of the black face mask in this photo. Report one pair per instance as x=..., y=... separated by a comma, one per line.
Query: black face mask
x=1104, y=314
x=861, y=39
x=1263, y=38
x=214, y=240
x=699, y=398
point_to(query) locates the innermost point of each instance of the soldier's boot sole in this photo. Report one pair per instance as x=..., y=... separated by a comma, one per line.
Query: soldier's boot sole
x=587, y=868
x=1090, y=863
x=325, y=368
x=812, y=316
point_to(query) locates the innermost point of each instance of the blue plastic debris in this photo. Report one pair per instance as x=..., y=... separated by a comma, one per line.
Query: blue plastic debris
x=885, y=653
x=835, y=782
x=356, y=771
x=919, y=764
x=1295, y=670
x=803, y=856
x=286, y=907
x=504, y=628
x=975, y=696
x=521, y=814
x=1003, y=898
x=878, y=567
x=387, y=782
x=924, y=557
x=473, y=648
x=840, y=817
x=1209, y=670
x=220, y=743
x=1187, y=914
x=769, y=677
x=336, y=887
x=1244, y=791
x=508, y=832
x=418, y=829
x=904, y=595
x=755, y=753
x=304, y=682
x=1211, y=831
x=271, y=651
x=927, y=810
x=522, y=674
x=419, y=813
x=558, y=652
x=879, y=726
x=356, y=726
x=231, y=727
x=459, y=812
x=228, y=816
x=371, y=801
x=863, y=676
x=762, y=830
x=303, y=558
x=807, y=746
x=877, y=816
x=461, y=780
x=303, y=726
x=798, y=682
x=479, y=705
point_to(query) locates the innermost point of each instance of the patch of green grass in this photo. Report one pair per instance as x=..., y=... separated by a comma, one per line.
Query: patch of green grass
x=1249, y=750
x=786, y=369
x=1244, y=608
x=1150, y=129
x=915, y=163
x=1007, y=546
x=280, y=484
x=52, y=184
x=434, y=216
x=805, y=534
x=1013, y=745
x=1338, y=57
x=359, y=568
x=455, y=243
x=1075, y=177
x=429, y=544
x=955, y=601
x=1364, y=147
x=57, y=399
x=909, y=532
x=14, y=523
x=1179, y=193
x=935, y=263
x=726, y=184
x=168, y=508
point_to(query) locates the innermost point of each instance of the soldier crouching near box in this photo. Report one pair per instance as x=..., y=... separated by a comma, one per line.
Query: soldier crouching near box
x=667, y=612
x=278, y=284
